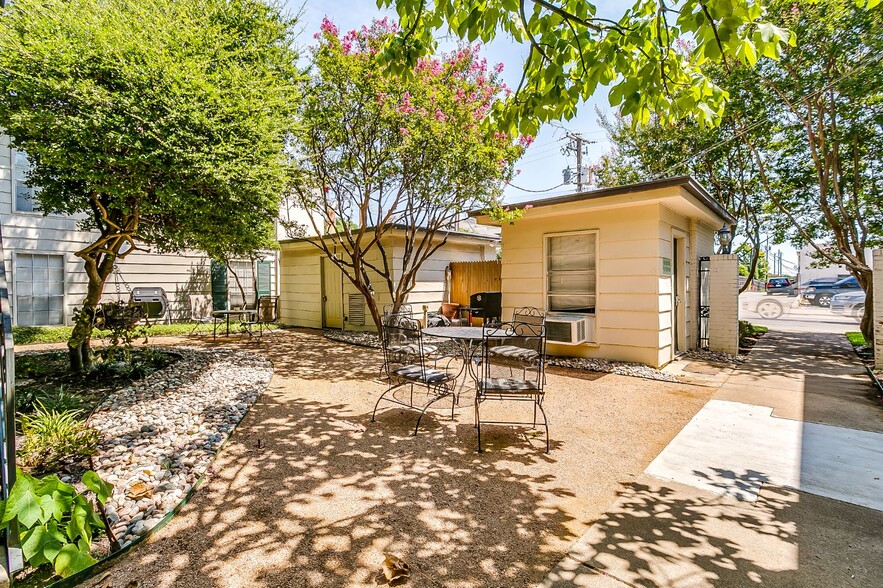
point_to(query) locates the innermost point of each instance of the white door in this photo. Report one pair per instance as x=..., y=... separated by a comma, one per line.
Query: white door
x=332, y=295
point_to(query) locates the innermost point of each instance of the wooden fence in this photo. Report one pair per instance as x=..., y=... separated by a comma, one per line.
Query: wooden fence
x=469, y=277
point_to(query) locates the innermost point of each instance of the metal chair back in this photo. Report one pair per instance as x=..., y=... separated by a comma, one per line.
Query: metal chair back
x=267, y=309
x=402, y=342
x=404, y=310
x=520, y=345
x=529, y=314
x=200, y=307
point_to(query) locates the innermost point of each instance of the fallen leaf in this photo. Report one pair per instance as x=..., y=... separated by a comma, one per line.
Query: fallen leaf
x=395, y=569
x=139, y=490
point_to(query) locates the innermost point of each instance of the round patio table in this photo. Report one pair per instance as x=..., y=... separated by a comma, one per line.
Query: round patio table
x=468, y=339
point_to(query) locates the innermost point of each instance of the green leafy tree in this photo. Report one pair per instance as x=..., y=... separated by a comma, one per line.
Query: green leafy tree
x=724, y=165
x=573, y=52
x=162, y=123
x=381, y=151
x=816, y=136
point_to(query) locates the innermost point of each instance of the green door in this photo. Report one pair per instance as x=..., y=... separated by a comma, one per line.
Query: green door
x=264, y=286
x=219, y=285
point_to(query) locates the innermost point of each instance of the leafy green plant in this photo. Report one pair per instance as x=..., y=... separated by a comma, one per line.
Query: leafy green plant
x=51, y=398
x=856, y=338
x=748, y=331
x=55, y=523
x=53, y=438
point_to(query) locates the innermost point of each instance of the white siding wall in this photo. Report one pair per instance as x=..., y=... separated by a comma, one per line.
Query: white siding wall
x=301, y=282
x=179, y=274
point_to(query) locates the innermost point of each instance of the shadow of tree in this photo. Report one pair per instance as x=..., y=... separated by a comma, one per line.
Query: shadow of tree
x=658, y=534
x=309, y=492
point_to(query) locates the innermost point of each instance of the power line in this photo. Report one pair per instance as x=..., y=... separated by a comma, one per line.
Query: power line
x=537, y=191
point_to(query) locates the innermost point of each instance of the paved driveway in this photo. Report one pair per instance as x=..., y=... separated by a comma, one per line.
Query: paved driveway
x=775, y=482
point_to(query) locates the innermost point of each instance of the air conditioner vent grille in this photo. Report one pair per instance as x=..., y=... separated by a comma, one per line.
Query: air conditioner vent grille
x=356, y=310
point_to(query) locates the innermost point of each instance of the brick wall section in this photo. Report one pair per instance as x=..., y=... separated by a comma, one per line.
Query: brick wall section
x=723, y=319
x=878, y=308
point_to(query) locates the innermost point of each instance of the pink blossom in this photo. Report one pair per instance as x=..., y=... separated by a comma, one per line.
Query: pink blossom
x=528, y=206
x=381, y=97
x=328, y=27
x=525, y=141
x=439, y=115
x=404, y=131
x=498, y=69
x=406, y=107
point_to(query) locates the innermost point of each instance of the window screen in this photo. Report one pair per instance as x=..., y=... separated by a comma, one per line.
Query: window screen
x=24, y=194
x=39, y=289
x=245, y=274
x=570, y=272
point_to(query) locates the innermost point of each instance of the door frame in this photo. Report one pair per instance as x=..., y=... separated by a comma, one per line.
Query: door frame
x=679, y=294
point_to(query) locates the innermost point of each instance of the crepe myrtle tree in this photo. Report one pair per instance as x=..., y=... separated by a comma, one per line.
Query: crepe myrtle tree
x=380, y=150
x=572, y=52
x=161, y=123
x=819, y=147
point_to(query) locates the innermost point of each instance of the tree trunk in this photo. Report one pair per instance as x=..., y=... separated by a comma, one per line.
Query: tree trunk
x=866, y=281
x=79, y=345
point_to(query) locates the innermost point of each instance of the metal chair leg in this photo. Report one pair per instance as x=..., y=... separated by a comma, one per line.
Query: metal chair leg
x=546, y=423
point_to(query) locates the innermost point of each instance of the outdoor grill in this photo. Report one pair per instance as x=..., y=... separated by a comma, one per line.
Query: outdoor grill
x=487, y=305
x=153, y=300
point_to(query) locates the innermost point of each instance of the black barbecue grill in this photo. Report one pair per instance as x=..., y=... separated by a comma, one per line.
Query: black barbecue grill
x=152, y=299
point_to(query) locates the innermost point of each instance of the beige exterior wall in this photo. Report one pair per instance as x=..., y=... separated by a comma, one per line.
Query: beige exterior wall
x=877, y=265
x=627, y=324
x=301, y=289
x=634, y=311
x=31, y=232
x=723, y=320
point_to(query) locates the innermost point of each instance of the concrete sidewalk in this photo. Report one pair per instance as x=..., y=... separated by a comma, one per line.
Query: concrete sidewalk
x=775, y=482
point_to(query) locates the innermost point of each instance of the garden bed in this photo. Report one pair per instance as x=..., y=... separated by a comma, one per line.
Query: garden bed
x=157, y=433
x=866, y=354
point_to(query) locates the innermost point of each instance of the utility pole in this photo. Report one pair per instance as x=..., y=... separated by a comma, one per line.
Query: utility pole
x=578, y=145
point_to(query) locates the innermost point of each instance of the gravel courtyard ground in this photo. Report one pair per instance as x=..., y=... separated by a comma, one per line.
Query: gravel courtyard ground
x=308, y=492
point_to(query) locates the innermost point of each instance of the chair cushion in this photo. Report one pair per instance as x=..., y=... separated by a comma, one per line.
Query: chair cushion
x=514, y=352
x=506, y=385
x=417, y=373
x=412, y=349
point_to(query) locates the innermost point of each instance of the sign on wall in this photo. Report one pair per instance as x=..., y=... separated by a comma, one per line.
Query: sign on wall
x=666, y=266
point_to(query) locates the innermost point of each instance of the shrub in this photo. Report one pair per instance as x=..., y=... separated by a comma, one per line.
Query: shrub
x=55, y=522
x=54, y=438
x=50, y=398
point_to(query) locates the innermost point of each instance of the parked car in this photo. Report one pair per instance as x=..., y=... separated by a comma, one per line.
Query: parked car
x=817, y=282
x=768, y=308
x=849, y=304
x=781, y=286
x=821, y=295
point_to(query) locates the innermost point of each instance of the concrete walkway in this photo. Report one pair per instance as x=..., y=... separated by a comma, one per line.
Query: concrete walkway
x=775, y=482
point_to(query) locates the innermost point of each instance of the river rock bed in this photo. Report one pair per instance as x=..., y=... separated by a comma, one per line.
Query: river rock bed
x=637, y=370
x=159, y=435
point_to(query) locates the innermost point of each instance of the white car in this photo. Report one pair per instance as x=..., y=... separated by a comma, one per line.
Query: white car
x=768, y=307
x=849, y=304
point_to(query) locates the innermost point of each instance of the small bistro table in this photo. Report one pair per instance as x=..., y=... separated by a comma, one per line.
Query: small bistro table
x=250, y=313
x=468, y=339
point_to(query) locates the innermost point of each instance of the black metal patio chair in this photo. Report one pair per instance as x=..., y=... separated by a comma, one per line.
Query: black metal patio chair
x=408, y=365
x=526, y=343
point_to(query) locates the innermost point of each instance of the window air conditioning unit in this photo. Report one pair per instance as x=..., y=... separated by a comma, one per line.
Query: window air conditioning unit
x=567, y=328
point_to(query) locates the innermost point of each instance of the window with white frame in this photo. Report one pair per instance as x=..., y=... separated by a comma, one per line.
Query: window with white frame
x=244, y=273
x=39, y=289
x=25, y=196
x=570, y=272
